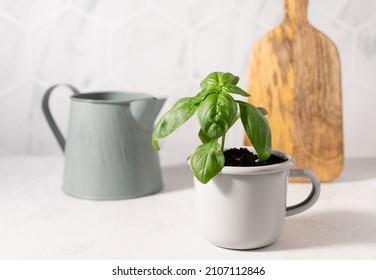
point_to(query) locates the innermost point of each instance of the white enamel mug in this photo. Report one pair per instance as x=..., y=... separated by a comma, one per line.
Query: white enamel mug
x=245, y=207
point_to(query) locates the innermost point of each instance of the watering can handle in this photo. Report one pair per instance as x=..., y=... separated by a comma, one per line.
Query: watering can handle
x=46, y=110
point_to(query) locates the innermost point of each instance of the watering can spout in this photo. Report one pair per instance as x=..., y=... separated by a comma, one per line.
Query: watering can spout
x=145, y=111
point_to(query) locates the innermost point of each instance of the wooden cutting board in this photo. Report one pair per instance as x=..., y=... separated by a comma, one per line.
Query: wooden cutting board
x=295, y=74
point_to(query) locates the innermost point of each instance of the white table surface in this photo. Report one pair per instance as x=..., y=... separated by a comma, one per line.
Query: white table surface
x=39, y=221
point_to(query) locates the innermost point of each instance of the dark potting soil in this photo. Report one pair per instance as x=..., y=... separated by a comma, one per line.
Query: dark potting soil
x=243, y=157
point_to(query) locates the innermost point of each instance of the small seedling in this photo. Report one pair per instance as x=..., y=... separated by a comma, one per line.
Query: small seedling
x=217, y=111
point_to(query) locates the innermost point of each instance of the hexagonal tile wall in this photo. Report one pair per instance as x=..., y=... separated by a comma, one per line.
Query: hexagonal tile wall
x=353, y=13
x=162, y=47
x=110, y=12
x=31, y=11
x=150, y=54
x=110, y=85
x=26, y=131
x=359, y=109
x=268, y=12
x=191, y=12
x=366, y=55
x=224, y=44
x=70, y=49
x=13, y=49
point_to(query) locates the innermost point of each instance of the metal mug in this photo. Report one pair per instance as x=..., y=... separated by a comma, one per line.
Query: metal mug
x=245, y=207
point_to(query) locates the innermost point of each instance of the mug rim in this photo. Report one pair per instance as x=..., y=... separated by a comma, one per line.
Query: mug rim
x=248, y=170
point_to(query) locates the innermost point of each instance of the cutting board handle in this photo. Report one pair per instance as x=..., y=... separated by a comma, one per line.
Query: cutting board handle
x=295, y=12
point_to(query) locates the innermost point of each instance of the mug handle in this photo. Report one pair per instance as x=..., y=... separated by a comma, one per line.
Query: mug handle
x=46, y=110
x=312, y=197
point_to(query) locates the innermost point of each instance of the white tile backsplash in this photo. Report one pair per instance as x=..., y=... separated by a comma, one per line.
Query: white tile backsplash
x=191, y=12
x=13, y=54
x=111, y=12
x=163, y=47
x=224, y=44
x=359, y=117
x=357, y=13
x=31, y=11
x=354, y=13
x=23, y=130
x=366, y=56
x=150, y=53
x=266, y=12
x=71, y=49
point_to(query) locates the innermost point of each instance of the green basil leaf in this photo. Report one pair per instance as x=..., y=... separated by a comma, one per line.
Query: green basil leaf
x=203, y=94
x=216, y=114
x=235, y=89
x=182, y=110
x=263, y=110
x=216, y=79
x=236, y=118
x=257, y=129
x=207, y=161
x=203, y=136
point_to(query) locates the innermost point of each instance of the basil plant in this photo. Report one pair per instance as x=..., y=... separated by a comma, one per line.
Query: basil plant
x=217, y=111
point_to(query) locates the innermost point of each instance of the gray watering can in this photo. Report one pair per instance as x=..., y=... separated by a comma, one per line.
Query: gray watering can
x=108, y=152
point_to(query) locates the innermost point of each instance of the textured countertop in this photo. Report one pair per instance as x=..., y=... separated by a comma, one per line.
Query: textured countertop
x=39, y=221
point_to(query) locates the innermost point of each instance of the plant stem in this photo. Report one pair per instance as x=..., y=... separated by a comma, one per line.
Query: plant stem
x=223, y=142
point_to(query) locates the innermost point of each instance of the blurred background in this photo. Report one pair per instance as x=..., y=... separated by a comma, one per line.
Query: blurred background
x=165, y=48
